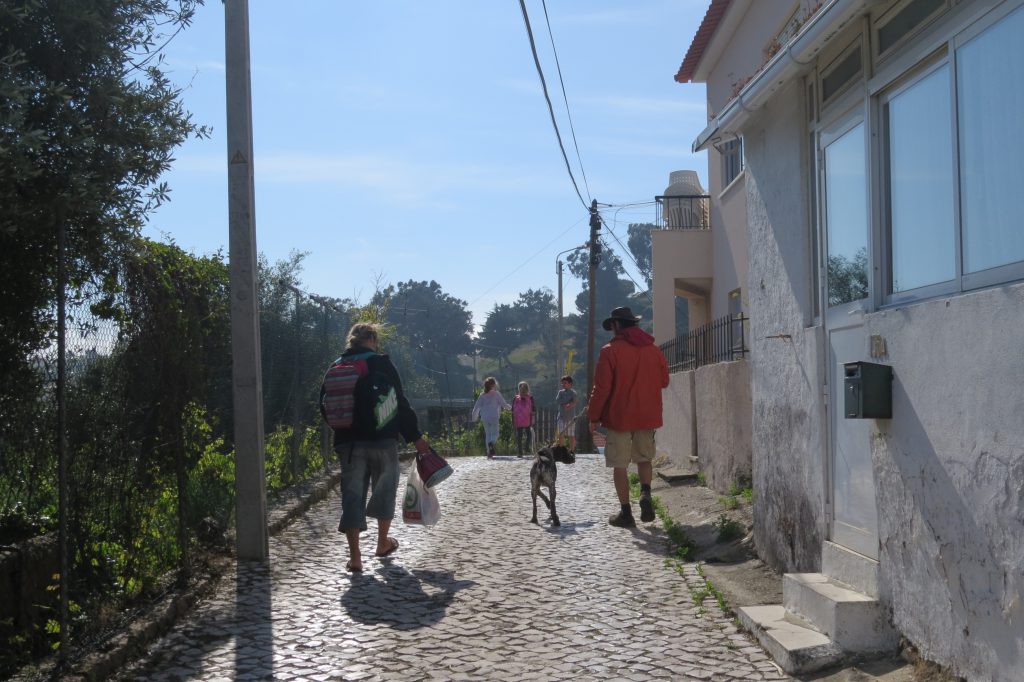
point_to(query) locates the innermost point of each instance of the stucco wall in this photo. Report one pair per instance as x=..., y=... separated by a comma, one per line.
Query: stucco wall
x=723, y=423
x=949, y=471
x=677, y=438
x=786, y=366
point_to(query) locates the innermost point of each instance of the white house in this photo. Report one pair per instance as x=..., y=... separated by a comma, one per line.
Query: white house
x=882, y=177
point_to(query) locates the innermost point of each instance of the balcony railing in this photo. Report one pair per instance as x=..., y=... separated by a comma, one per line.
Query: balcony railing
x=684, y=212
x=721, y=340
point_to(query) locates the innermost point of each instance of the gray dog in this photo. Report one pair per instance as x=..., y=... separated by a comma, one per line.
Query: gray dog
x=544, y=472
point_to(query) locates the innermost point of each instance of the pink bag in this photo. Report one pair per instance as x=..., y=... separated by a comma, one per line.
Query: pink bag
x=432, y=468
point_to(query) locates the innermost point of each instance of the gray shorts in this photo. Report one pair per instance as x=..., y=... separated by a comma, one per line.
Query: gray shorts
x=368, y=467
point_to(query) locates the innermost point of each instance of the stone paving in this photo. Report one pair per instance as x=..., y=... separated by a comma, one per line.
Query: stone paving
x=483, y=595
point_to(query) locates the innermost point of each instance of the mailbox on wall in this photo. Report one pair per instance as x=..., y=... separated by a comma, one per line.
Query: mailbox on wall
x=867, y=390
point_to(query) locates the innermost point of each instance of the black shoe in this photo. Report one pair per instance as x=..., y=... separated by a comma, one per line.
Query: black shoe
x=622, y=520
x=646, y=508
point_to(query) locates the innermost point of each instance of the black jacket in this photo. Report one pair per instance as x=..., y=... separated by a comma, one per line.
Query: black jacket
x=405, y=425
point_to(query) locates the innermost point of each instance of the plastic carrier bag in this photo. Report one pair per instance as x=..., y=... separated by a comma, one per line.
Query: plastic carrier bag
x=420, y=505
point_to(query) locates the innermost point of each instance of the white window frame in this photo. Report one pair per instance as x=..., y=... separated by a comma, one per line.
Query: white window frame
x=928, y=56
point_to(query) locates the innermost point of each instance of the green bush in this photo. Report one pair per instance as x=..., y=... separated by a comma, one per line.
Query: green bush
x=728, y=529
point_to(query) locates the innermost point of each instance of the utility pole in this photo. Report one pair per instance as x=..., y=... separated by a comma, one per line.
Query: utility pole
x=247, y=381
x=587, y=444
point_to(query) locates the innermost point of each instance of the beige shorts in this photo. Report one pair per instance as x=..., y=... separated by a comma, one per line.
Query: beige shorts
x=624, y=447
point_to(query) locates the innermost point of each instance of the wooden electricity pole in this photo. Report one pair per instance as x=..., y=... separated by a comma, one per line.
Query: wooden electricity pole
x=587, y=441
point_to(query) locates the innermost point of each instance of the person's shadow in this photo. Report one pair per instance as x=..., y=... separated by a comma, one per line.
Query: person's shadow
x=401, y=600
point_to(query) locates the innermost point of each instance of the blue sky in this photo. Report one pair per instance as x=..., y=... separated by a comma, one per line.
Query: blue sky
x=403, y=139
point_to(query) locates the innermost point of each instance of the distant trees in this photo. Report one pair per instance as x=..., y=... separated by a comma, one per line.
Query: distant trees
x=640, y=246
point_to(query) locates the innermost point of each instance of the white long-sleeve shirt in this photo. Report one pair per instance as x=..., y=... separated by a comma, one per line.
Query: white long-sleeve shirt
x=489, y=406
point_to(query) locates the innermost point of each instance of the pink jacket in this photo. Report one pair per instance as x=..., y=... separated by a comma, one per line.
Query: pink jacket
x=522, y=411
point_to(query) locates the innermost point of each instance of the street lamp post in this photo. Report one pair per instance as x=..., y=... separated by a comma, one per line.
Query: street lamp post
x=560, y=366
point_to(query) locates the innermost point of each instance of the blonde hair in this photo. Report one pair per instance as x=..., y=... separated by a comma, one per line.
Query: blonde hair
x=363, y=332
x=489, y=383
x=521, y=386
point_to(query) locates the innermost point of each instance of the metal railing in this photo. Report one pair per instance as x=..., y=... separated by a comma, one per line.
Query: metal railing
x=721, y=340
x=684, y=212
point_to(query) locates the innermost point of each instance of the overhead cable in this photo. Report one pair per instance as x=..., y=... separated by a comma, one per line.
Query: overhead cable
x=565, y=98
x=523, y=264
x=547, y=98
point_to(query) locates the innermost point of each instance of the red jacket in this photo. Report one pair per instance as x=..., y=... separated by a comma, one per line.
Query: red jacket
x=631, y=372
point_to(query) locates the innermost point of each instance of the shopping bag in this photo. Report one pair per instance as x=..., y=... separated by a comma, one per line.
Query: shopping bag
x=420, y=505
x=432, y=468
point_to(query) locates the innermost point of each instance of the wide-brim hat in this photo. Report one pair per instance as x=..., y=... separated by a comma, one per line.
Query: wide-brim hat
x=620, y=314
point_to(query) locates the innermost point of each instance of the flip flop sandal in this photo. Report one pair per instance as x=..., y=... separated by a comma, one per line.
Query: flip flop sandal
x=389, y=550
x=352, y=568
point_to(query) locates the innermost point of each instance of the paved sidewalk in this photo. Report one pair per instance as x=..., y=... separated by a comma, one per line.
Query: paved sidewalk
x=484, y=595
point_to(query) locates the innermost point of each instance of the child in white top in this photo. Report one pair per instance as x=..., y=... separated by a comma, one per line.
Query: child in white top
x=488, y=409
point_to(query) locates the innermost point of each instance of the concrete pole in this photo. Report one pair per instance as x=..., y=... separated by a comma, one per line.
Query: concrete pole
x=250, y=485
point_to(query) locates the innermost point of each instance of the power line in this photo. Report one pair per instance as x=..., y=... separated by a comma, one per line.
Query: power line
x=646, y=292
x=547, y=98
x=565, y=98
x=523, y=264
x=629, y=255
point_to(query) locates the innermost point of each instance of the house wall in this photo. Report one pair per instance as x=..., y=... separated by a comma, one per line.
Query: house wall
x=677, y=438
x=730, y=246
x=746, y=51
x=723, y=423
x=788, y=436
x=949, y=472
x=677, y=254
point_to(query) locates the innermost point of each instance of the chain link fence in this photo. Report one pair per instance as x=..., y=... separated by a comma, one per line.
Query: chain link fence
x=149, y=454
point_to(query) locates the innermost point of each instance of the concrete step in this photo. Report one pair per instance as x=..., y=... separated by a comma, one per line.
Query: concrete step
x=791, y=642
x=854, y=622
x=676, y=474
x=849, y=567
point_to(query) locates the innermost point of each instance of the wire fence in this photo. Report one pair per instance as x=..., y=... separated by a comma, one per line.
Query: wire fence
x=150, y=460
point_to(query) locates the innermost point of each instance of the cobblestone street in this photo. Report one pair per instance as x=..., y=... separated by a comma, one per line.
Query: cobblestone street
x=484, y=595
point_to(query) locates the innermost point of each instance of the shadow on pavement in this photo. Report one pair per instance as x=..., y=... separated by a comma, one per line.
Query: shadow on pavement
x=254, y=649
x=394, y=597
x=566, y=528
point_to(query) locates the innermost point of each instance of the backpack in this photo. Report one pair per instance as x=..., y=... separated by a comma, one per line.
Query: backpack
x=337, y=392
x=352, y=394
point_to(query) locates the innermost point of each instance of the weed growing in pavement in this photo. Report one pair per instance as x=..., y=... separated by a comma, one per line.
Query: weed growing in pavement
x=728, y=529
x=712, y=590
x=729, y=502
x=748, y=495
x=702, y=480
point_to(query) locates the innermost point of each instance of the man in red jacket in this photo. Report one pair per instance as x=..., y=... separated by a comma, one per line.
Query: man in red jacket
x=631, y=373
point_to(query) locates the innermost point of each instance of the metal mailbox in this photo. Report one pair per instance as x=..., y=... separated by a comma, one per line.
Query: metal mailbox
x=867, y=390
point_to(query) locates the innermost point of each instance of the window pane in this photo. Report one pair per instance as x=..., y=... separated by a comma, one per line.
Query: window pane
x=990, y=85
x=846, y=216
x=921, y=184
